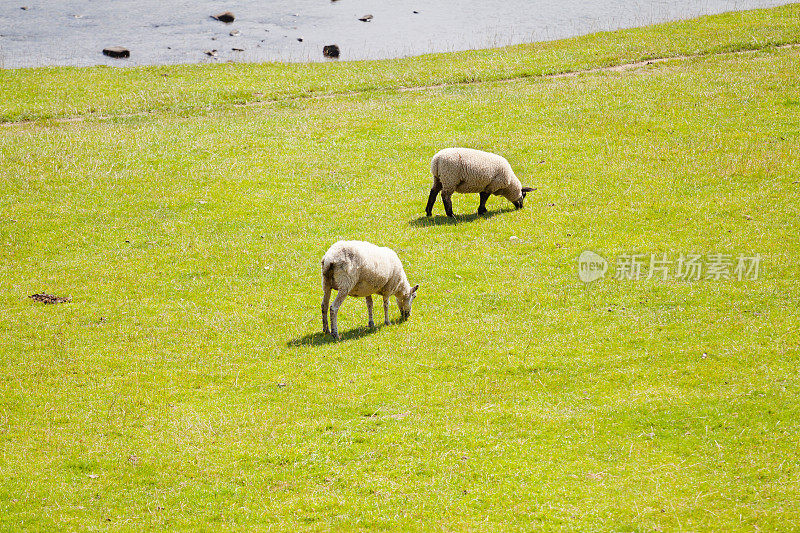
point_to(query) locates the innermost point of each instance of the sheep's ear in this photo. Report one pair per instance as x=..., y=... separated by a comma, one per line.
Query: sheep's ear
x=414, y=288
x=528, y=189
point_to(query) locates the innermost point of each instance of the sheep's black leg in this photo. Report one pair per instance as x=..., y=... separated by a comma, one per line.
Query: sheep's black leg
x=437, y=186
x=326, y=298
x=482, y=208
x=369, y=311
x=448, y=205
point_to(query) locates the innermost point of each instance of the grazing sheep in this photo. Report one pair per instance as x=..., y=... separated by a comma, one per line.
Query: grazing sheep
x=358, y=268
x=466, y=170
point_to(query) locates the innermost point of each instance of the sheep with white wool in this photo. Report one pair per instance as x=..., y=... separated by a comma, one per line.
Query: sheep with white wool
x=466, y=170
x=358, y=268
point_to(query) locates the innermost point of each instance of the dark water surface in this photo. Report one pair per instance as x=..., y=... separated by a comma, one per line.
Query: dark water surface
x=74, y=32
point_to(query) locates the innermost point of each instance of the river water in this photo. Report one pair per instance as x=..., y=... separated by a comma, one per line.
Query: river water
x=74, y=32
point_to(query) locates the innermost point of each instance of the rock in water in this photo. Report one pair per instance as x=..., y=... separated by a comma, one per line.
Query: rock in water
x=330, y=50
x=366, y=18
x=117, y=52
x=226, y=17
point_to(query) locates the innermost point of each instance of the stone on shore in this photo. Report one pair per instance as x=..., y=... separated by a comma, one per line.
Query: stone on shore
x=118, y=52
x=226, y=17
x=330, y=50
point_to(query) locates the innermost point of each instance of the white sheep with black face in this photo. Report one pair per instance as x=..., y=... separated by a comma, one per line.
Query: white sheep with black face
x=466, y=170
x=359, y=268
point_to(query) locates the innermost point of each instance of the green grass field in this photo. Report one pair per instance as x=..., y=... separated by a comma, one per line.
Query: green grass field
x=188, y=385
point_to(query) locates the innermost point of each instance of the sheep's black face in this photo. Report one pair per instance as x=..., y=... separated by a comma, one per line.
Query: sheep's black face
x=518, y=203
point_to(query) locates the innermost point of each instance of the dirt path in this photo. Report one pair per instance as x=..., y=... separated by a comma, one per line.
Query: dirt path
x=571, y=74
x=613, y=68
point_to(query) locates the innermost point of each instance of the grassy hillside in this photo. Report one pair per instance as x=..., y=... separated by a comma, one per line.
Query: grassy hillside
x=32, y=94
x=187, y=385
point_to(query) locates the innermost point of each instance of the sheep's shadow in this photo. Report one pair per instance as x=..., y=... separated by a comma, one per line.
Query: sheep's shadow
x=319, y=338
x=444, y=220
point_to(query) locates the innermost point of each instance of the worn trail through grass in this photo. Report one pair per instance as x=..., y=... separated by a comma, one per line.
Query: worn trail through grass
x=612, y=68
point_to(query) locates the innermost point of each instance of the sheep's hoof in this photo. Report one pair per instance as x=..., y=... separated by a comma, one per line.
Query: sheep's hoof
x=371, y=324
x=482, y=211
x=428, y=213
x=335, y=335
